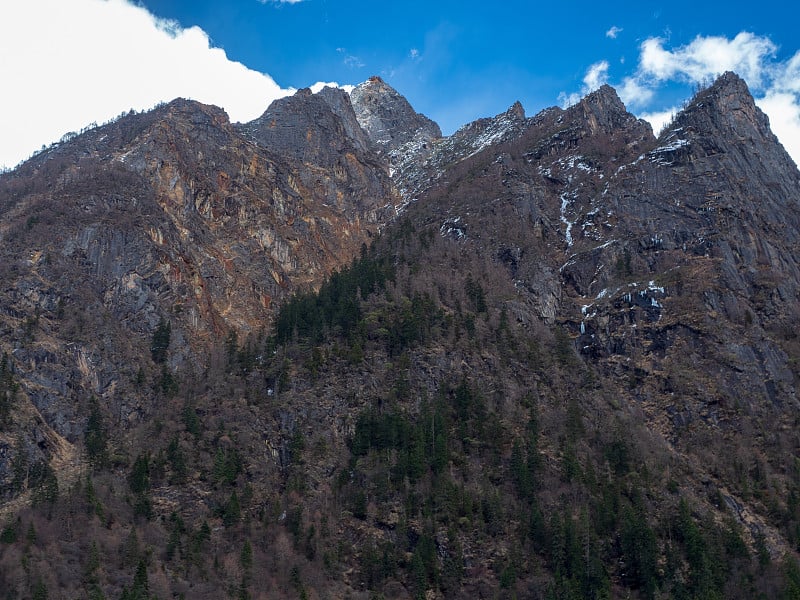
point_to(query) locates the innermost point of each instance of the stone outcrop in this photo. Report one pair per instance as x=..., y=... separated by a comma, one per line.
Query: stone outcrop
x=388, y=119
x=417, y=169
x=708, y=217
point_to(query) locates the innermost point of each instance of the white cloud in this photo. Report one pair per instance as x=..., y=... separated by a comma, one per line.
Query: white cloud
x=351, y=60
x=413, y=54
x=596, y=76
x=787, y=78
x=354, y=62
x=659, y=119
x=783, y=110
x=317, y=87
x=633, y=93
x=707, y=57
x=90, y=60
x=279, y=1
x=613, y=32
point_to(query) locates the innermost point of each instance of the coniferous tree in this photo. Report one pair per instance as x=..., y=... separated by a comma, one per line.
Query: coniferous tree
x=95, y=436
x=8, y=390
x=160, y=343
x=139, y=477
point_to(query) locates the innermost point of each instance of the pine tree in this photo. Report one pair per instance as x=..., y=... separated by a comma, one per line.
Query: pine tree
x=8, y=390
x=95, y=437
x=141, y=587
x=160, y=343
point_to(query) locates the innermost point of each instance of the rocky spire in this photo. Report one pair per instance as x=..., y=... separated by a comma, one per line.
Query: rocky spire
x=726, y=113
x=388, y=118
x=604, y=111
x=317, y=128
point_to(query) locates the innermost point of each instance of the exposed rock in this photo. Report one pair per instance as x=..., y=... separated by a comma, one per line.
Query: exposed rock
x=316, y=128
x=418, y=167
x=337, y=160
x=387, y=117
x=170, y=215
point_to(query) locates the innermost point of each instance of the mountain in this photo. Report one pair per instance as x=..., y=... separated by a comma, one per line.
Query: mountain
x=322, y=132
x=332, y=353
x=169, y=216
x=388, y=119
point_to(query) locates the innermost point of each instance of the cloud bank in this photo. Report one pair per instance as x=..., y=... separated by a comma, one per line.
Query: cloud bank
x=707, y=57
x=90, y=60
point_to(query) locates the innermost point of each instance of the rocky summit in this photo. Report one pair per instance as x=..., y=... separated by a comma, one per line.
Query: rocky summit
x=332, y=353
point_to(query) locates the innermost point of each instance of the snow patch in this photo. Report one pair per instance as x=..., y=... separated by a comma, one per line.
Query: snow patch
x=671, y=147
x=566, y=198
x=453, y=228
x=124, y=157
x=662, y=154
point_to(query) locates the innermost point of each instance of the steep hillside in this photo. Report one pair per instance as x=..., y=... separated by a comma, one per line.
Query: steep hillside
x=567, y=369
x=165, y=217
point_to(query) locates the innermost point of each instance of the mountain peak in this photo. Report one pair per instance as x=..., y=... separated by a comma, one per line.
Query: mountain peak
x=730, y=80
x=376, y=80
x=722, y=116
x=314, y=127
x=605, y=98
x=194, y=111
x=603, y=111
x=375, y=85
x=516, y=110
x=388, y=118
x=729, y=92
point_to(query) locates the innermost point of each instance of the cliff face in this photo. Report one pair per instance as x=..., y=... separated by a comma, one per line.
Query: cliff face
x=567, y=312
x=403, y=137
x=335, y=157
x=710, y=215
x=167, y=216
x=670, y=263
x=388, y=119
x=419, y=167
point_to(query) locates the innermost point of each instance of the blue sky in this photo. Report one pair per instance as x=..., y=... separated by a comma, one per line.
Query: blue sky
x=454, y=61
x=459, y=60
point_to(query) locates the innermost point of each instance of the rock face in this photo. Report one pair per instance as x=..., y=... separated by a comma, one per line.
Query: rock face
x=403, y=137
x=542, y=177
x=317, y=128
x=388, y=119
x=671, y=263
x=704, y=210
x=321, y=132
x=416, y=171
x=171, y=215
x=645, y=246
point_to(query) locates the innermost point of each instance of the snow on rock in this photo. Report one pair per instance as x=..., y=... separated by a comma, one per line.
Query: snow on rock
x=421, y=160
x=671, y=147
x=453, y=228
x=666, y=153
x=566, y=198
